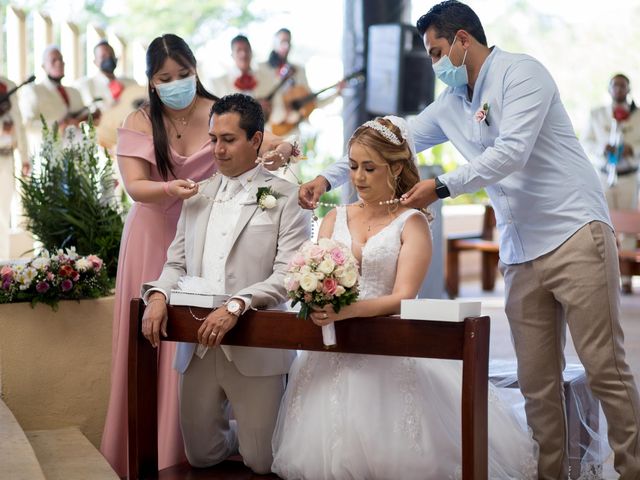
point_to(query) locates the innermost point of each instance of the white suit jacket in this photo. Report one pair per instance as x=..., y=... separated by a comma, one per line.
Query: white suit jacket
x=97, y=86
x=263, y=242
x=44, y=99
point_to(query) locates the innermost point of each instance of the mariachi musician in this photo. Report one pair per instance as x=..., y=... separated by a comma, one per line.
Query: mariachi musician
x=242, y=77
x=12, y=140
x=52, y=100
x=286, y=112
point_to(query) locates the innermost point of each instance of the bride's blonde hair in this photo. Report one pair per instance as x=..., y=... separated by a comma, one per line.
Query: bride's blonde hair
x=390, y=152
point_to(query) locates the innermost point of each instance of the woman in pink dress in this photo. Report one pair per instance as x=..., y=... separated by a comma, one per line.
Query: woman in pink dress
x=163, y=151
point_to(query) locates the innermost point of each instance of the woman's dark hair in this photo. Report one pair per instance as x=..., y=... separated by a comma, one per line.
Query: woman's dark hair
x=161, y=48
x=449, y=17
x=275, y=60
x=250, y=111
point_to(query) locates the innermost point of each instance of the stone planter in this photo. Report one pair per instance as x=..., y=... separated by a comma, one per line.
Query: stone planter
x=55, y=366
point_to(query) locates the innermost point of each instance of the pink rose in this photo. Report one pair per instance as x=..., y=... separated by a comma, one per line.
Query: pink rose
x=338, y=256
x=291, y=284
x=50, y=276
x=329, y=286
x=66, y=285
x=480, y=115
x=316, y=253
x=298, y=260
x=96, y=261
x=6, y=272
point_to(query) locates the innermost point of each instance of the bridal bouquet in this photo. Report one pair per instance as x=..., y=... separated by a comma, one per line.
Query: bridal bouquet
x=321, y=274
x=49, y=278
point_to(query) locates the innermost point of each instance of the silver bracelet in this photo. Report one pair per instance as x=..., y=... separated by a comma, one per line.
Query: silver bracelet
x=198, y=318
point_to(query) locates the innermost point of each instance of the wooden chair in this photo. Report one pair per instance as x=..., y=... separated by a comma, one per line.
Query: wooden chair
x=467, y=341
x=627, y=222
x=481, y=242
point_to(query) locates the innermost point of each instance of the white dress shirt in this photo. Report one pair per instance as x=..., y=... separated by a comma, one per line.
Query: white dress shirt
x=541, y=184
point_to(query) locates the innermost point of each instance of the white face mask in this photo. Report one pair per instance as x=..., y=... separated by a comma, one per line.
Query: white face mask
x=177, y=94
x=449, y=73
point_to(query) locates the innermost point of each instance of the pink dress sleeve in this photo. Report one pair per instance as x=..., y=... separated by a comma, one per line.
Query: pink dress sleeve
x=135, y=144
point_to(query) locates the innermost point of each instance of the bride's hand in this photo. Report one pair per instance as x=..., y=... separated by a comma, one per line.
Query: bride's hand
x=325, y=315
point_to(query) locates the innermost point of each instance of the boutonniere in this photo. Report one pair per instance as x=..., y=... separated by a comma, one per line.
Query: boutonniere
x=266, y=198
x=482, y=115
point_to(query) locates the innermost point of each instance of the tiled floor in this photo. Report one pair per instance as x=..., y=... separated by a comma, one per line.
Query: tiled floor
x=502, y=349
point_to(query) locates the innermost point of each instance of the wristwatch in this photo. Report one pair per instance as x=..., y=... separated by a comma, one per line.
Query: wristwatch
x=442, y=191
x=234, y=307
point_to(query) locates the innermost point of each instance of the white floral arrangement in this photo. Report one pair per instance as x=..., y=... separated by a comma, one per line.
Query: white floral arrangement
x=321, y=274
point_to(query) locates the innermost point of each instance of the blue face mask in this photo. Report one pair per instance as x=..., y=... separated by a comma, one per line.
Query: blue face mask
x=449, y=73
x=177, y=94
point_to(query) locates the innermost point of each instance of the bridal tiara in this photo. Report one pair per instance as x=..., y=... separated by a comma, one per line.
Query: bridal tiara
x=384, y=131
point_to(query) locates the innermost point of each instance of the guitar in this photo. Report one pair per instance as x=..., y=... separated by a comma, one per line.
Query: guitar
x=300, y=102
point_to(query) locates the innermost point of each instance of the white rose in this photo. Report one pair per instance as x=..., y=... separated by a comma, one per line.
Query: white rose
x=268, y=201
x=339, y=290
x=305, y=269
x=308, y=282
x=348, y=279
x=326, y=266
x=326, y=243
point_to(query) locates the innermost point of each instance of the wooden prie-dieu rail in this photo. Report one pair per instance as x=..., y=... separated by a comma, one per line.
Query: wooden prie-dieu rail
x=467, y=341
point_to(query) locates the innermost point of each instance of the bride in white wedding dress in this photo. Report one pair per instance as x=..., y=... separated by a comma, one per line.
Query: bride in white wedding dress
x=347, y=416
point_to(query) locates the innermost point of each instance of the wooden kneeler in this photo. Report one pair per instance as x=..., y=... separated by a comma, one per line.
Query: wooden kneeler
x=467, y=341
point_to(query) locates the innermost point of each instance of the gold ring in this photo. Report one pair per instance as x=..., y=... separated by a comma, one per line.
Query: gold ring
x=213, y=334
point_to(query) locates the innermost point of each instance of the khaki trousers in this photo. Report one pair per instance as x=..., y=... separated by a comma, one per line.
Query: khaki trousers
x=208, y=388
x=577, y=284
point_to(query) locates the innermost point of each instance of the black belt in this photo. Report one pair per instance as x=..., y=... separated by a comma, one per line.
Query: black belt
x=623, y=171
x=6, y=151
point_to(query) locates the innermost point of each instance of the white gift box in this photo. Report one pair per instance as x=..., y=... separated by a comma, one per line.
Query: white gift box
x=193, y=299
x=441, y=310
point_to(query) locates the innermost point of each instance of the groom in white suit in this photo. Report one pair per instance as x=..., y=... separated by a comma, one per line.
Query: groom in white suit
x=242, y=247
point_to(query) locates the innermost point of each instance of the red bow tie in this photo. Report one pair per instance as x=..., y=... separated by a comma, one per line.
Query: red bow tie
x=116, y=88
x=245, y=82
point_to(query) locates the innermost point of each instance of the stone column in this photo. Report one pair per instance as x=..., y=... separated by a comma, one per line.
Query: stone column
x=17, y=38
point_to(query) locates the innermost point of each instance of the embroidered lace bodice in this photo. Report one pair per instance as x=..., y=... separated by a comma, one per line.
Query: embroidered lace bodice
x=379, y=262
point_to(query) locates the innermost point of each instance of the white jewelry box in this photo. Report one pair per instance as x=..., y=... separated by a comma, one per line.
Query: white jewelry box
x=440, y=310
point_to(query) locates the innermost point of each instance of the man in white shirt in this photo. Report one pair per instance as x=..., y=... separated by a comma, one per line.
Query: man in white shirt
x=51, y=100
x=558, y=253
x=613, y=133
x=103, y=89
x=12, y=140
x=243, y=78
x=241, y=248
